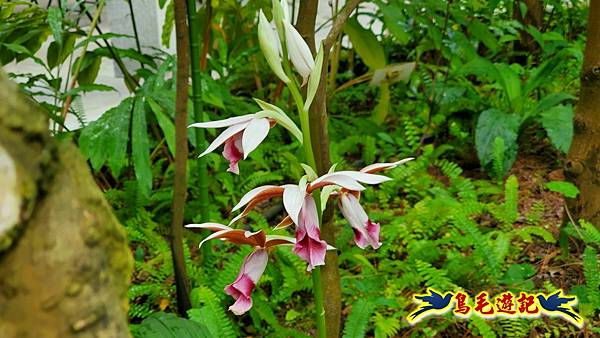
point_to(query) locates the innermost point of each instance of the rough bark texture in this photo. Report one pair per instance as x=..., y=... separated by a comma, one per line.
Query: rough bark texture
x=64, y=263
x=583, y=166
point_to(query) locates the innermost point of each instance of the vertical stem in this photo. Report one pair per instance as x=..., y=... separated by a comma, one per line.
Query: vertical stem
x=181, y=153
x=67, y=103
x=195, y=36
x=135, y=31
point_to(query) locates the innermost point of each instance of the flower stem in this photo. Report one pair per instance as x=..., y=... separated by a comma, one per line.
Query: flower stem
x=319, y=309
x=310, y=158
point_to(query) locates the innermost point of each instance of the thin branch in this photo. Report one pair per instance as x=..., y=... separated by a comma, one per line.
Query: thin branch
x=339, y=22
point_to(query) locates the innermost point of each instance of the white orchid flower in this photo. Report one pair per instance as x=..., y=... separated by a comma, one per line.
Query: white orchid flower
x=245, y=133
x=254, y=265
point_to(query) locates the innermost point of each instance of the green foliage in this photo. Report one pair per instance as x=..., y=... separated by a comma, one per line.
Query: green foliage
x=167, y=325
x=209, y=312
x=567, y=189
x=356, y=323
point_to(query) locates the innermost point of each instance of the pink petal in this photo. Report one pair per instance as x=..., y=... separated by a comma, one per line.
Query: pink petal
x=241, y=289
x=233, y=153
x=366, y=232
x=375, y=167
x=309, y=245
x=241, y=305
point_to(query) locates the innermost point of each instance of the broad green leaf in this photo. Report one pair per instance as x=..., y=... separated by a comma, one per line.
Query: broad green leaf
x=366, y=44
x=558, y=123
x=483, y=34
x=543, y=73
x=517, y=274
x=165, y=123
x=550, y=101
x=90, y=66
x=494, y=123
x=567, y=189
x=58, y=53
x=501, y=74
x=106, y=139
x=168, y=325
x=55, y=20
x=89, y=88
x=394, y=21
x=140, y=147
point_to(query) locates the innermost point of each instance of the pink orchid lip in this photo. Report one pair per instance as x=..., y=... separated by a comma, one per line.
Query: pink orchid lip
x=309, y=245
x=241, y=289
x=233, y=152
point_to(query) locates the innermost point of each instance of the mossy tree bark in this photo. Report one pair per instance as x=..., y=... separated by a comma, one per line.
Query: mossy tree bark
x=64, y=260
x=583, y=165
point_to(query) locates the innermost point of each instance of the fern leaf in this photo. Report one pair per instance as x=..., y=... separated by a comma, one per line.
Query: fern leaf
x=358, y=319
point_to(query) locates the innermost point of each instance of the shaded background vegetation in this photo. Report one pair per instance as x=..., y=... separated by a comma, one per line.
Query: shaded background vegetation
x=487, y=110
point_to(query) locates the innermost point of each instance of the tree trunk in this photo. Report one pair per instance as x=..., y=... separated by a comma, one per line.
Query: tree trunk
x=330, y=273
x=583, y=166
x=182, y=283
x=64, y=260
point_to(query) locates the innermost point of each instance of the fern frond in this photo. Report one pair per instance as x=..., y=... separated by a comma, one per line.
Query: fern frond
x=358, y=320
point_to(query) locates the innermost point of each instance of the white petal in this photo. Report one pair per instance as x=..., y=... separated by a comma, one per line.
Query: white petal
x=223, y=123
x=364, y=177
x=254, y=134
x=286, y=11
x=255, y=264
x=343, y=181
x=249, y=196
x=225, y=135
x=383, y=166
x=298, y=51
x=293, y=199
x=209, y=226
x=352, y=211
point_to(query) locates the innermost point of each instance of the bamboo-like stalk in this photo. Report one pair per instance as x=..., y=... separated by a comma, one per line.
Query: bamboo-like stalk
x=195, y=35
x=181, y=152
x=67, y=103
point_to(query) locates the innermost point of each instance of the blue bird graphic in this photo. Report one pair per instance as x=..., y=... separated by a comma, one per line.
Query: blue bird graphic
x=554, y=304
x=434, y=301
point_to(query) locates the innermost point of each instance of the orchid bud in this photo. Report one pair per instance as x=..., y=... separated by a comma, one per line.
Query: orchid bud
x=269, y=46
x=280, y=15
x=298, y=52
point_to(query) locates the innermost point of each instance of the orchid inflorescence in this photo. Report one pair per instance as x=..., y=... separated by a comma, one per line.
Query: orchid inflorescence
x=245, y=133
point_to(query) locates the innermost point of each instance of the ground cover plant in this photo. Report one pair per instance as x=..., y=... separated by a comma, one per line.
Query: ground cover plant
x=419, y=145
